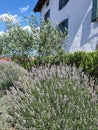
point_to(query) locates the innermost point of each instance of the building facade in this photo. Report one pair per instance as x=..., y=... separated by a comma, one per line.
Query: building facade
x=79, y=17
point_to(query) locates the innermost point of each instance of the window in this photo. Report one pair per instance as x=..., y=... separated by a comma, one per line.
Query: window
x=47, y=15
x=64, y=25
x=47, y=3
x=62, y=3
x=95, y=11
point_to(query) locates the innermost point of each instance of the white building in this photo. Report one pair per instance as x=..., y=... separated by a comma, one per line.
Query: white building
x=80, y=17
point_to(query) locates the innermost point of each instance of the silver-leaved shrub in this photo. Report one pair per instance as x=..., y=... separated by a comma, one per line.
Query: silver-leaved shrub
x=55, y=98
x=9, y=73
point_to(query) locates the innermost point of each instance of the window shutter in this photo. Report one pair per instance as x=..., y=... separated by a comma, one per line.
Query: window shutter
x=95, y=10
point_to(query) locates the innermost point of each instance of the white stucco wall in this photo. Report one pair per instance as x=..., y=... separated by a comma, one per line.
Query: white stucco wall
x=82, y=33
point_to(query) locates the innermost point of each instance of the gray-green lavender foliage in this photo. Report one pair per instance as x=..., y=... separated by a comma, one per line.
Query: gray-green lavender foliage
x=9, y=73
x=54, y=98
x=4, y=116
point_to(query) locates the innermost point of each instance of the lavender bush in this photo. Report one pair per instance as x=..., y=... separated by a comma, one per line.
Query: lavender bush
x=4, y=116
x=9, y=73
x=55, y=98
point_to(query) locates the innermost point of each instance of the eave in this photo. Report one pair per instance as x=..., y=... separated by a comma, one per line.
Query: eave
x=39, y=5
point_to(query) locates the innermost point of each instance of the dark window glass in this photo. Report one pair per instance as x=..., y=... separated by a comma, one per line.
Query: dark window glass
x=95, y=10
x=47, y=15
x=62, y=3
x=64, y=26
x=47, y=3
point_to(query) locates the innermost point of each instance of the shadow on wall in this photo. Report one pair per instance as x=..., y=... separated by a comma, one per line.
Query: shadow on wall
x=78, y=21
x=83, y=26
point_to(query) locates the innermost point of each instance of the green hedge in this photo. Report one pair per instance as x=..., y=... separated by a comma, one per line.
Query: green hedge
x=87, y=61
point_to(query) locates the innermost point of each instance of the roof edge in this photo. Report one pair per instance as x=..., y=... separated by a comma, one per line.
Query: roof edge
x=39, y=5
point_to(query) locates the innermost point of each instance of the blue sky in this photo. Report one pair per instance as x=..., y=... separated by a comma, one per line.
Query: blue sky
x=17, y=8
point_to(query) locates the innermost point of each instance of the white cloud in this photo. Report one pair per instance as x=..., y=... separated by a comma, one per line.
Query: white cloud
x=27, y=28
x=8, y=17
x=24, y=9
x=1, y=33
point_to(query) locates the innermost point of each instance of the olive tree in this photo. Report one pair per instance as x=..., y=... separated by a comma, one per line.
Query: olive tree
x=21, y=45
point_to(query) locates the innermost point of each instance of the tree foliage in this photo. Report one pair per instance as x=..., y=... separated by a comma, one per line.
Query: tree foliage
x=21, y=44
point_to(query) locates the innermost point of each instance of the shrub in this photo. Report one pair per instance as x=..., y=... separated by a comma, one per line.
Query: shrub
x=20, y=44
x=9, y=73
x=58, y=98
x=87, y=61
x=4, y=116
